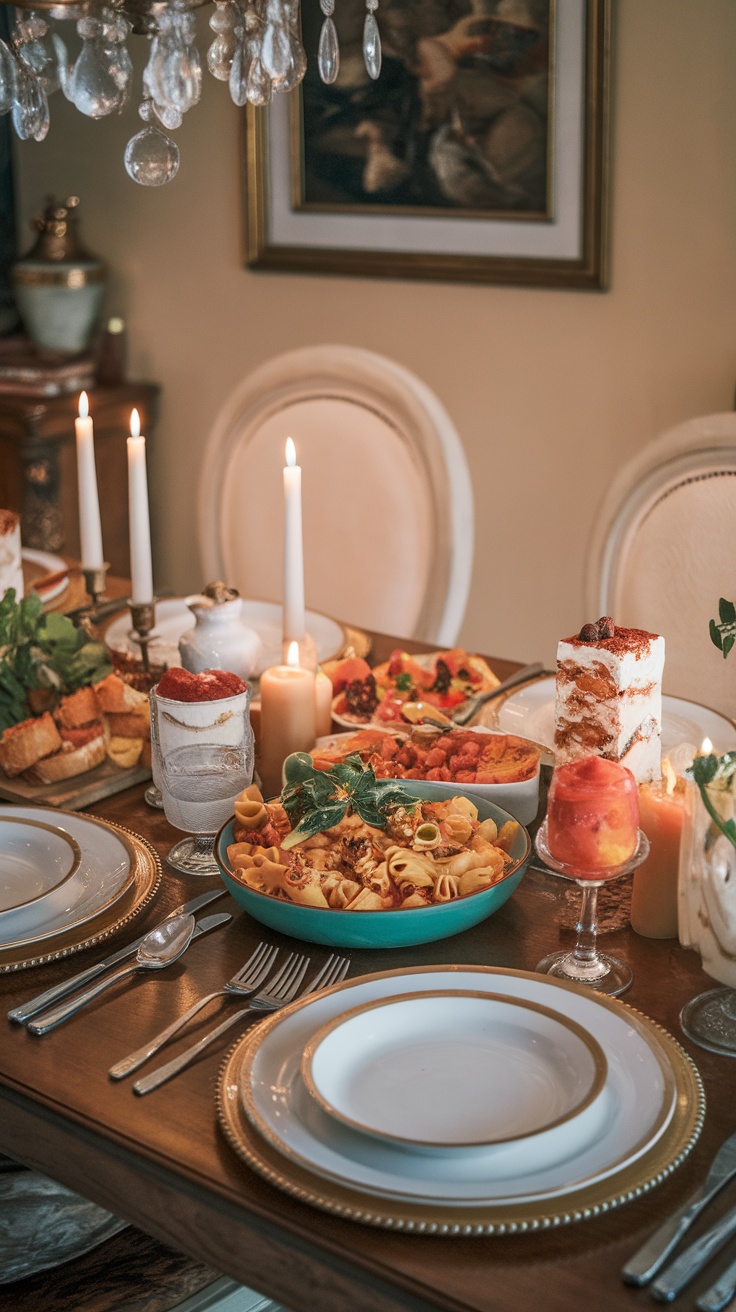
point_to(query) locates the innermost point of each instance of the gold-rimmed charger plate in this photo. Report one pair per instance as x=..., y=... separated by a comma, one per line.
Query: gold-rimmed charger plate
x=138, y=893
x=438, y=1218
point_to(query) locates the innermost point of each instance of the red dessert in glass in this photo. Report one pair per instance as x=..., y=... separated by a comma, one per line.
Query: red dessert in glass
x=592, y=816
x=180, y=685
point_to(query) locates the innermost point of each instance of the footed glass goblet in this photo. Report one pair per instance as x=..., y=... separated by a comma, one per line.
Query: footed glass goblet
x=585, y=964
x=707, y=899
x=203, y=759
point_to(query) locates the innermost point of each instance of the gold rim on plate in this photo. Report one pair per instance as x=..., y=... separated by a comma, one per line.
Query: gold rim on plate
x=429, y=1218
x=598, y=1078
x=60, y=833
x=140, y=889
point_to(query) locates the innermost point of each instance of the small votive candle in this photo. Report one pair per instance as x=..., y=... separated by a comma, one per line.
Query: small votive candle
x=288, y=717
x=654, y=897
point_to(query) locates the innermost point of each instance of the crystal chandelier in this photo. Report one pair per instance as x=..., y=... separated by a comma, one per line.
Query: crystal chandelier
x=256, y=48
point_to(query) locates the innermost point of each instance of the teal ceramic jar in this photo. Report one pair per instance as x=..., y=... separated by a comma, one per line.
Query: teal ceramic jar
x=58, y=285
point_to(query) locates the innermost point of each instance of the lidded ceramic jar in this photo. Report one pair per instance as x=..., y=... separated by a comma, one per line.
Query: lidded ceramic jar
x=221, y=639
x=58, y=285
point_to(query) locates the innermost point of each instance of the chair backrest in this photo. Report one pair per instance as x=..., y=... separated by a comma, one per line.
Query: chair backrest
x=387, y=498
x=665, y=551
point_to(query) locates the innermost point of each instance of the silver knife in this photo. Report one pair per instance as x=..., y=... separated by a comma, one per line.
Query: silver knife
x=720, y=1294
x=690, y=1263
x=652, y=1255
x=43, y=1000
x=50, y=1020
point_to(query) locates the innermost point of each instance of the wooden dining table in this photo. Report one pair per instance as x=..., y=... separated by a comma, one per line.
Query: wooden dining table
x=162, y=1162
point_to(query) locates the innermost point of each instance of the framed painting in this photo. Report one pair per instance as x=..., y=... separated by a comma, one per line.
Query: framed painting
x=479, y=154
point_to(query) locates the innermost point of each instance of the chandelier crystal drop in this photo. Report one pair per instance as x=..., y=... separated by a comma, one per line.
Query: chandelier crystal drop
x=256, y=49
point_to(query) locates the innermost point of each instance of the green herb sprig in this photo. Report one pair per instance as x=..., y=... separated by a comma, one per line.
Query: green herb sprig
x=315, y=800
x=713, y=773
x=723, y=634
x=42, y=651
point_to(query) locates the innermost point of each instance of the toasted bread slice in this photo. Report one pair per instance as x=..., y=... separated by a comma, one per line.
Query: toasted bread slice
x=130, y=724
x=68, y=762
x=77, y=709
x=116, y=696
x=26, y=743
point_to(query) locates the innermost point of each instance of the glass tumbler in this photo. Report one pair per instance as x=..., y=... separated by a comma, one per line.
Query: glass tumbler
x=203, y=759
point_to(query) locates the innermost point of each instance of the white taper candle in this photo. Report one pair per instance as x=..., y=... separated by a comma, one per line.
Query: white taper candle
x=90, y=528
x=141, y=572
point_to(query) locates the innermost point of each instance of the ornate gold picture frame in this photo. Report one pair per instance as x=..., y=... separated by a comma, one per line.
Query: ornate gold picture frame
x=496, y=174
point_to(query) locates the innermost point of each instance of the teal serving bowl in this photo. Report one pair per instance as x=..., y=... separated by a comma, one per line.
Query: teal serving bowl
x=382, y=929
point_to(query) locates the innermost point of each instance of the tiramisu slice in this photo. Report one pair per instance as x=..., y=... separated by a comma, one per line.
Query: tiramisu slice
x=609, y=697
x=11, y=569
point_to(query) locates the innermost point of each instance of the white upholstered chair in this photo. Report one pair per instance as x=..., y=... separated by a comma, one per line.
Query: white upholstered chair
x=388, y=505
x=664, y=551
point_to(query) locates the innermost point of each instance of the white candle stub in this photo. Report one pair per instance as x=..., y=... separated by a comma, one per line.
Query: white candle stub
x=90, y=528
x=141, y=571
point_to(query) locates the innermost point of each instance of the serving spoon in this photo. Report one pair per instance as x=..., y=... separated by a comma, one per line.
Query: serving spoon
x=160, y=948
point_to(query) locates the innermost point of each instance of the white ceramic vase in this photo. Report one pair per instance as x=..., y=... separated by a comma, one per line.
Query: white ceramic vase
x=221, y=639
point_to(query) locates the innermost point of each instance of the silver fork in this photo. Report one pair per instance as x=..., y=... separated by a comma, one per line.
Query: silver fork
x=246, y=980
x=278, y=994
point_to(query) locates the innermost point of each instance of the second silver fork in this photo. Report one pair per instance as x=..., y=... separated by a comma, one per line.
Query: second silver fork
x=246, y=980
x=276, y=995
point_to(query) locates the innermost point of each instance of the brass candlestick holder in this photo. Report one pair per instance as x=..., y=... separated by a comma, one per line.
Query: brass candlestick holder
x=143, y=614
x=94, y=582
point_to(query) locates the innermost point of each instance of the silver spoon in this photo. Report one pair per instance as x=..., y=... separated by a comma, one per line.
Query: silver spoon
x=466, y=712
x=160, y=948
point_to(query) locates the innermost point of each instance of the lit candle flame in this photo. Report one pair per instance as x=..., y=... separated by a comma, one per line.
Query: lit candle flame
x=135, y=424
x=292, y=655
x=290, y=453
x=669, y=776
x=706, y=747
x=83, y=405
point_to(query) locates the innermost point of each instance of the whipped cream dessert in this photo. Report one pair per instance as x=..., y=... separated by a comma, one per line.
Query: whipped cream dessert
x=11, y=569
x=609, y=697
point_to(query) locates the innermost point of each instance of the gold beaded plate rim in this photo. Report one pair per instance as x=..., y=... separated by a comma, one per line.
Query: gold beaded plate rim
x=630, y=1182
x=110, y=920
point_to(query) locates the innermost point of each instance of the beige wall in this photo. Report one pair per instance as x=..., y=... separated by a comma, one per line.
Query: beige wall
x=550, y=390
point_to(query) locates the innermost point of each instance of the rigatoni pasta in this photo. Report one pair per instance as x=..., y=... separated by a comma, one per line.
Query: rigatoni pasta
x=429, y=853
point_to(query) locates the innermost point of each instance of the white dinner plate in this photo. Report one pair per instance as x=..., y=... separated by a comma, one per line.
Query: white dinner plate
x=101, y=875
x=530, y=712
x=637, y=1103
x=174, y=618
x=36, y=859
x=448, y=1071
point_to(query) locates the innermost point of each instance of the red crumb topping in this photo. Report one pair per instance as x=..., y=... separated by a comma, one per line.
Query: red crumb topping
x=637, y=641
x=209, y=686
x=8, y=521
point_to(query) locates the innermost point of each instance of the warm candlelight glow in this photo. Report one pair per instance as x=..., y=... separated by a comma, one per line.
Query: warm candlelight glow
x=135, y=424
x=706, y=747
x=669, y=777
x=83, y=405
x=292, y=655
x=290, y=453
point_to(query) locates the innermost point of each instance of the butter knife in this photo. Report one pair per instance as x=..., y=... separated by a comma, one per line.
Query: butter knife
x=43, y=1000
x=690, y=1263
x=652, y=1255
x=720, y=1294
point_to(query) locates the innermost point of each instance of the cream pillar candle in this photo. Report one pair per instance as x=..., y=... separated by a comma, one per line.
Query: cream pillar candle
x=90, y=529
x=288, y=718
x=293, y=548
x=138, y=518
x=654, y=896
x=324, y=695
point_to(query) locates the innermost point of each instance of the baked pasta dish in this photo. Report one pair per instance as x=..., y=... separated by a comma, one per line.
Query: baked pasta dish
x=385, y=851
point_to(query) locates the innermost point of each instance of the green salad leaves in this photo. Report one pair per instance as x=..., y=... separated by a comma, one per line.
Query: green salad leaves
x=42, y=657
